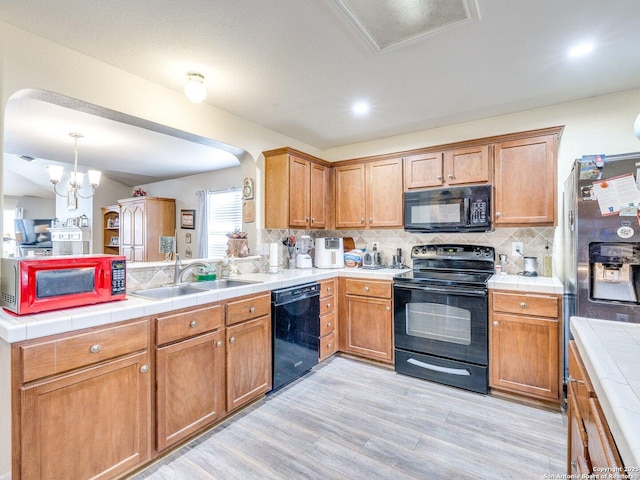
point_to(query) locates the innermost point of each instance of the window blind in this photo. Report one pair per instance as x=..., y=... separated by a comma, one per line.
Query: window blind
x=225, y=215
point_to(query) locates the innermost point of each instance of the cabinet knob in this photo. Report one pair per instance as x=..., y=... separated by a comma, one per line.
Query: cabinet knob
x=328, y=289
x=219, y=343
x=362, y=220
x=366, y=289
x=306, y=219
x=328, y=345
x=438, y=177
x=523, y=304
x=370, y=219
x=498, y=214
x=193, y=324
x=328, y=324
x=328, y=305
x=388, y=309
x=574, y=463
x=573, y=380
x=252, y=309
x=95, y=348
x=495, y=324
x=232, y=339
x=144, y=368
x=313, y=219
x=450, y=176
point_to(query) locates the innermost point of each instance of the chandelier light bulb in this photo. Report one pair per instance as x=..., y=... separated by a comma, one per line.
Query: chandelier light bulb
x=194, y=89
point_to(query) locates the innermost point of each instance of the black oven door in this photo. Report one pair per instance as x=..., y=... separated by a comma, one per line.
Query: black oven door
x=445, y=322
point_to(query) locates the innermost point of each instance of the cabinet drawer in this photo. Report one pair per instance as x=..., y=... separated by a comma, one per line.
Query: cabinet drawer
x=247, y=308
x=579, y=381
x=368, y=288
x=327, y=323
x=187, y=324
x=327, y=305
x=328, y=288
x=56, y=356
x=526, y=304
x=328, y=346
x=602, y=448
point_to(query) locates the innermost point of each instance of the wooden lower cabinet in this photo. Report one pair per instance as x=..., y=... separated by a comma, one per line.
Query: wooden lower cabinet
x=190, y=386
x=590, y=445
x=366, y=319
x=93, y=423
x=524, y=344
x=328, y=317
x=248, y=361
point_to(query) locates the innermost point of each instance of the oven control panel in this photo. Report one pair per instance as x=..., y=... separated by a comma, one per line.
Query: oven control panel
x=462, y=252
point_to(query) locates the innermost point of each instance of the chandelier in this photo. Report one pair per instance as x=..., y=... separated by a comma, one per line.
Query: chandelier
x=75, y=183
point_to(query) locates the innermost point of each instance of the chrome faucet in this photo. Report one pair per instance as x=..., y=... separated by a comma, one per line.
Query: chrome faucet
x=179, y=271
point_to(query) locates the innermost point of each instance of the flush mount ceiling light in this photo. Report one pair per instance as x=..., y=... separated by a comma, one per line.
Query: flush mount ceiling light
x=75, y=183
x=581, y=50
x=387, y=23
x=360, y=108
x=194, y=89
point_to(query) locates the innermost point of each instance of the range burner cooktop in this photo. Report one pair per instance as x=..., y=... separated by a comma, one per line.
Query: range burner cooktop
x=450, y=264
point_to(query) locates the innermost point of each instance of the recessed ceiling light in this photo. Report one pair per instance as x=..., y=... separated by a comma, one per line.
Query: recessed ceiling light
x=361, y=108
x=581, y=49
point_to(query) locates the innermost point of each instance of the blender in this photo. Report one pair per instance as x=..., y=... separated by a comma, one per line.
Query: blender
x=304, y=245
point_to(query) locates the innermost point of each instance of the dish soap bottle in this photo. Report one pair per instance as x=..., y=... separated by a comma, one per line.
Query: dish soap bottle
x=547, y=263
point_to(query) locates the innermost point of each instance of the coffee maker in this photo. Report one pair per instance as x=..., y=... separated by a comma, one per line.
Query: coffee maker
x=614, y=270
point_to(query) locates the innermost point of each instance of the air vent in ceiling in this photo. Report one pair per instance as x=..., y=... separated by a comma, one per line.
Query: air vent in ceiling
x=388, y=23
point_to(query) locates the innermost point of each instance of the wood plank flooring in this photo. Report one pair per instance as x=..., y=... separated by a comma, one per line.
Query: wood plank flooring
x=352, y=420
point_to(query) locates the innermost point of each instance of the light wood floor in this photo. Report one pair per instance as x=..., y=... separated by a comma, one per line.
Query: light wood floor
x=352, y=420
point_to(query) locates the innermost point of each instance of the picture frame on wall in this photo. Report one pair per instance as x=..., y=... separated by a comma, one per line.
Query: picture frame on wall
x=188, y=219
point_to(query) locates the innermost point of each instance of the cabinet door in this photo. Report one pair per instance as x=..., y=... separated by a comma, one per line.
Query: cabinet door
x=467, y=165
x=90, y=424
x=577, y=452
x=367, y=329
x=384, y=189
x=248, y=361
x=525, y=182
x=319, y=196
x=190, y=377
x=524, y=355
x=132, y=231
x=299, y=182
x=350, y=196
x=423, y=171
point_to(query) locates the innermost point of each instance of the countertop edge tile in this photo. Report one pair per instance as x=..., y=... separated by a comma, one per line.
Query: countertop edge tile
x=619, y=402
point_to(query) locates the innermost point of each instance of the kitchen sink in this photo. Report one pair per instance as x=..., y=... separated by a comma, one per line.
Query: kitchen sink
x=168, y=291
x=222, y=283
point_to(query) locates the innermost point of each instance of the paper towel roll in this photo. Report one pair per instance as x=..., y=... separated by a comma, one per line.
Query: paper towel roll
x=273, y=257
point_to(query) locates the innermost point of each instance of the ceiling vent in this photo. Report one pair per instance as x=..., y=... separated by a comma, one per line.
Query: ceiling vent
x=388, y=23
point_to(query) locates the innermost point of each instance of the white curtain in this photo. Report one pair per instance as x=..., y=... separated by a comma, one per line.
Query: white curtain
x=202, y=227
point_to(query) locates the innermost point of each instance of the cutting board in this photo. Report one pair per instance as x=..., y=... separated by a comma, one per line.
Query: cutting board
x=348, y=243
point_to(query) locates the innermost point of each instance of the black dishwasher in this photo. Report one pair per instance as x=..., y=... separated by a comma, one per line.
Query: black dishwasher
x=295, y=312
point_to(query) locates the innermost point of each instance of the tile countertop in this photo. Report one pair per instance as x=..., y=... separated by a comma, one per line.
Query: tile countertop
x=611, y=354
x=15, y=328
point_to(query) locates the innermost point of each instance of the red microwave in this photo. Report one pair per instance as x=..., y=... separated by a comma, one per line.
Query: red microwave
x=38, y=284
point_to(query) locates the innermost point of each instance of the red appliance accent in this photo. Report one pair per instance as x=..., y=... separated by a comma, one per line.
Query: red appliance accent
x=39, y=284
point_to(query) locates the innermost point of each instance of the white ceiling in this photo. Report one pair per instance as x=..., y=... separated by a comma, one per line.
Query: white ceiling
x=296, y=66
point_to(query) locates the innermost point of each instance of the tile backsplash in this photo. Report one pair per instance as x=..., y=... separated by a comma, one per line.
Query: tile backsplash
x=535, y=240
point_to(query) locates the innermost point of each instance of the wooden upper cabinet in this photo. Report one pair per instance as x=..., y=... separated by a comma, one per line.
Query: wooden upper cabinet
x=460, y=166
x=369, y=195
x=525, y=191
x=298, y=190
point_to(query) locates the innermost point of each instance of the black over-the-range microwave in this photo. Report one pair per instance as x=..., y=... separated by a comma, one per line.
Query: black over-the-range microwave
x=455, y=209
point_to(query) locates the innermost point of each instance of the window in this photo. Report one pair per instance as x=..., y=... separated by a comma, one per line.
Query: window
x=225, y=215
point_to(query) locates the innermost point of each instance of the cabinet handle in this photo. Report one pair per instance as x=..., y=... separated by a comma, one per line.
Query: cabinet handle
x=328, y=305
x=388, y=309
x=193, y=324
x=495, y=324
x=523, y=304
x=306, y=219
x=144, y=368
x=370, y=219
x=450, y=176
x=95, y=348
x=219, y=343
x=362, y=220
x=313, y=219
x=232, y=339
x=328, y=345
x=438, y=177
x=328, y=289
x=574, y=463
x=366, y=289
x=573, y=380
x=498, y=214
x=252, y=309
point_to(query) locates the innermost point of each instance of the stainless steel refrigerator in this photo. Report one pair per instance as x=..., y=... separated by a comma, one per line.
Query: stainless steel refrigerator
x=602, y=239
